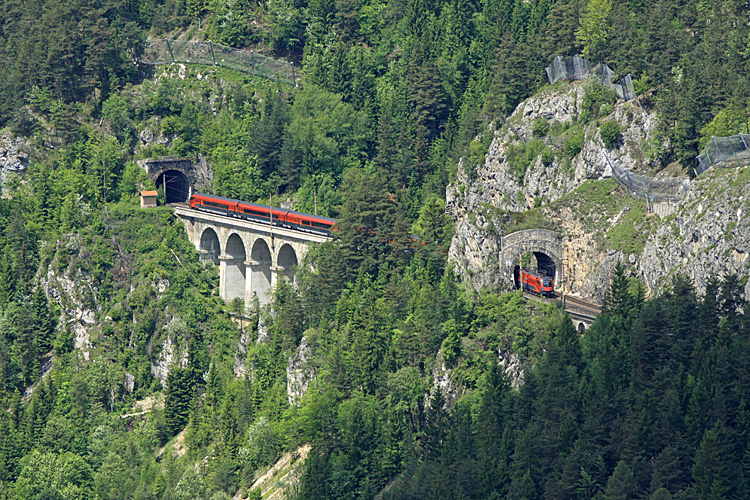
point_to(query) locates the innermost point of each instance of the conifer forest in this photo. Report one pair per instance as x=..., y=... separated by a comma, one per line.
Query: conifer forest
x=125, y=375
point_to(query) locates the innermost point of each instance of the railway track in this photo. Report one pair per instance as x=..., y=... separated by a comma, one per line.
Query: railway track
x=575, y=306
x=581, y=303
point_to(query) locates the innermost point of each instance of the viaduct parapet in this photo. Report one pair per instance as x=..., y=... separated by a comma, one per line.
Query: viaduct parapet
x=252, y=257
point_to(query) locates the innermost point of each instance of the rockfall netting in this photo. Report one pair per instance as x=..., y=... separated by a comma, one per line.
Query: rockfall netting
x=578, y=68
x=653, y=189
x=163, y=51
x=724, y=149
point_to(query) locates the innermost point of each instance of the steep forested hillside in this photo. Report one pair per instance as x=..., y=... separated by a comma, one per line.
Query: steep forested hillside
x=123, y=375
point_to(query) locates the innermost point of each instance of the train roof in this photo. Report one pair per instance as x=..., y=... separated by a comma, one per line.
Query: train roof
x=537, y=273
x=266, y=207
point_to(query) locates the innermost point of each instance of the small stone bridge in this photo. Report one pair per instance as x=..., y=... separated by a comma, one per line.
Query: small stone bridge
x=251, y=256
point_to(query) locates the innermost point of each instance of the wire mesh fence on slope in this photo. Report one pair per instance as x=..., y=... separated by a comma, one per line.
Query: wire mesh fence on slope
x=578, y=68
x=724, y=149
x=163, y=51
x=653, y=189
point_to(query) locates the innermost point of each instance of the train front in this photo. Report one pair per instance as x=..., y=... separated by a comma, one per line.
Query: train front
x=548, y=287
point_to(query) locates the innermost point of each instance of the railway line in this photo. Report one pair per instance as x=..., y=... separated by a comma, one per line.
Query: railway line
x=582, y=312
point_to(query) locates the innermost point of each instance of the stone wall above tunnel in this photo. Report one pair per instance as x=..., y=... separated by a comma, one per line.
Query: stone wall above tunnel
x=531, y=240
x=198, y=174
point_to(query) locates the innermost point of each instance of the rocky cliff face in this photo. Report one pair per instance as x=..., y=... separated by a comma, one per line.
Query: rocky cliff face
x=707, y=236
x=13, y=157
x=531, y=178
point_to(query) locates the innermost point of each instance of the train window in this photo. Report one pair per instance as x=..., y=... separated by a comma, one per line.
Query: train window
x=255, y=212
x=212, y=204
x=321, y=225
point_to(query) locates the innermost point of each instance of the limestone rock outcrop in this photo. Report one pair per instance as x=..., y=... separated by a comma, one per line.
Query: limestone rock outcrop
x=702, y=235
x=13, y=157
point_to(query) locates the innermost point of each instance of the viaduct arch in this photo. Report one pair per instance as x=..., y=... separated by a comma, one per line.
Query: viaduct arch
x=252, y=256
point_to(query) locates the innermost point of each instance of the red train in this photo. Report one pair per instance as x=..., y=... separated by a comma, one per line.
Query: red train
x=262, y=213
x=543, y=286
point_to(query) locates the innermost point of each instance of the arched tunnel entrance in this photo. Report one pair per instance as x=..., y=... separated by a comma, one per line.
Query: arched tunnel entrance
x=176, y=186
x=538, y=263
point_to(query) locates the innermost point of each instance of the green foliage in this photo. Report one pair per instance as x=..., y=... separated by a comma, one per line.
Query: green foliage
x=596, y=98
x=630, y=233
x=323, y=137
x=648, y=401
x=610, y=132
x=548, y=156
x=477, y=154
x=594, y=28
x=521, y=157
x=451, y=346
x=728, y=121
x=574, y=142
x=540, y=127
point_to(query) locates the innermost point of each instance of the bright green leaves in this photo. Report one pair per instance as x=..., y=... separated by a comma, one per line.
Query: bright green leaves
x=593, y=31
x=324, y=136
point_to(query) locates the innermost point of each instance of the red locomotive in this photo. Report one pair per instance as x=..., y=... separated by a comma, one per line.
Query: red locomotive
x=543, y=286
x=262, y=213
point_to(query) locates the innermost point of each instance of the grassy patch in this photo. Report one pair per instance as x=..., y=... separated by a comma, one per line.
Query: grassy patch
x=520, y=157
x=630, y=233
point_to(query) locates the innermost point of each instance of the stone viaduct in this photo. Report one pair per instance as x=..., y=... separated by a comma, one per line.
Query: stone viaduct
x=252, y=256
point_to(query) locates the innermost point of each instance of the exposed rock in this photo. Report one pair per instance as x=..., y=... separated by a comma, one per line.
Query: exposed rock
x=298, y=373
x=241, y=357
x=707, y=237
x=129, y=382
x=442, y=380
x=701, y=236
x=281, y=480
x=512, y=367
x=152, y=134
x=13, y=157
x=73, y=291
x=496, y=183
x=173, y=352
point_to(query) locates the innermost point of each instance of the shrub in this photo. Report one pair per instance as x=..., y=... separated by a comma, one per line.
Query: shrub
x=610, y=132
x=520, y=156
x=540, y=127
x=477, y=153
x=574, y=143
x=595, y=98
x=548, y=156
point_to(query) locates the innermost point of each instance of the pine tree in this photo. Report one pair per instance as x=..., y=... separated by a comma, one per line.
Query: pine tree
x=714, y=471
x=621, y=484
x=178, y=398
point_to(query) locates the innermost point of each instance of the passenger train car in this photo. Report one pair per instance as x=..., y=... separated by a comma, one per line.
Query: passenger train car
x=543, y=286
x=262, y=213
